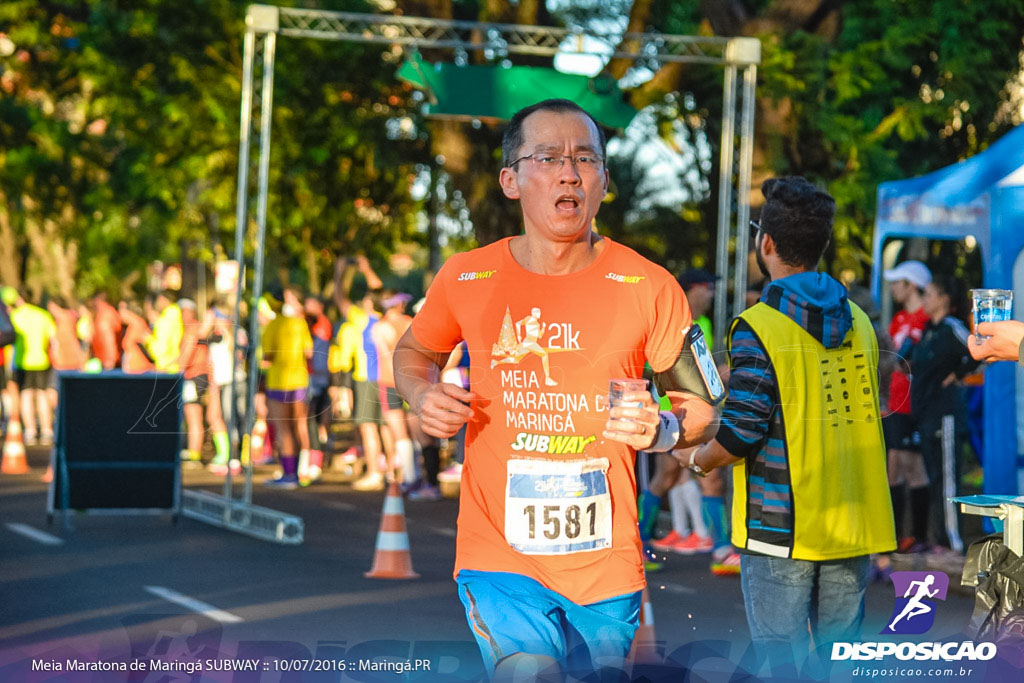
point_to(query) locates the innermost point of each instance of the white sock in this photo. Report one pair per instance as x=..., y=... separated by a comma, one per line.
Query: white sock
x=405, y=454
x=677, y=505
x=692, y=497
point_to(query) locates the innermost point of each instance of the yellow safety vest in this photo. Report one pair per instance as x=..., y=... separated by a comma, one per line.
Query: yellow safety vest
x=831, y=468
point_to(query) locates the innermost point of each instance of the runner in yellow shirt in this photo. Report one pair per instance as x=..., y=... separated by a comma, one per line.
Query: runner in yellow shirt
x=287, y=346
x=35, y=330
x=165, y=343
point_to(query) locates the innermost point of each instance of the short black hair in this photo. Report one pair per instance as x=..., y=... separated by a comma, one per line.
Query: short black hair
x=512, y=140
x=954, y=288
x=798, y=217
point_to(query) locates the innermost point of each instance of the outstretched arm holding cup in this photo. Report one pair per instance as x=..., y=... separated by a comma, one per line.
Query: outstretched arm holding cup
x=696, y=391
x=1005, y=341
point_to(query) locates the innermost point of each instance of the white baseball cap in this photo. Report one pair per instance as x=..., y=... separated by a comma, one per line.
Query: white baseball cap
x=914, y=272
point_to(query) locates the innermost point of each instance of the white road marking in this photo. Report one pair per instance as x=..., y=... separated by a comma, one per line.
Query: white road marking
x=206, y=609
x=675, y=588
x=340, y=505
x=444, y=531
x=33, y=533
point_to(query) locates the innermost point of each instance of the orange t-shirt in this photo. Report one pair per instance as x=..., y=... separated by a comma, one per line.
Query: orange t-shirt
x=386, y=334
x=65, y=349
x=543, y=494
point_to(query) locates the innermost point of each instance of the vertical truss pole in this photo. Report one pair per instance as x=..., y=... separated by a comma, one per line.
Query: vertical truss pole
x=725, y=192
x=241, y=217
x=743, y=189
x=266, y=109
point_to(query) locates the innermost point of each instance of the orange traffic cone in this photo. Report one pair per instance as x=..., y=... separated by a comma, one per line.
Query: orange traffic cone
x=14, y=461
x=645, y=647
x=48, y=476
x=392, y=559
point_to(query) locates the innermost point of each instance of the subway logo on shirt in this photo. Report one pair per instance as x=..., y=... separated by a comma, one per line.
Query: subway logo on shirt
x=626, y=279
x=554, y=444
x=478, y=275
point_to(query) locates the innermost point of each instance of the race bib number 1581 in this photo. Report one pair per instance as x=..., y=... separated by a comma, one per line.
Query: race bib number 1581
x=557, y=508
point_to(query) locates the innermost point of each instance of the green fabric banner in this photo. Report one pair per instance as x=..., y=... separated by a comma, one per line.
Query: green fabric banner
x=496, y=92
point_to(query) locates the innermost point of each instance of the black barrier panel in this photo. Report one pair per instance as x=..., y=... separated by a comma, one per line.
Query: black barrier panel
x=118, y=439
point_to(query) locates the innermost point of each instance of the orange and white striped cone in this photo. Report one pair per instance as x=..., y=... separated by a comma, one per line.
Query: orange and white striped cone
x=14, y=461
x=392, y=559
x=645, y=646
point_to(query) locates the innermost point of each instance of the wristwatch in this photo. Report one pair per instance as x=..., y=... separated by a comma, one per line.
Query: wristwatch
x=694, y=467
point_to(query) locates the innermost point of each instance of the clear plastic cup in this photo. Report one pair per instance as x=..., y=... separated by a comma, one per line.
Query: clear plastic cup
x=618, y=387
x=990, y=306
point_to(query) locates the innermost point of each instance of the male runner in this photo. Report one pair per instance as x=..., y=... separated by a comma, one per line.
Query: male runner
x=548, y=553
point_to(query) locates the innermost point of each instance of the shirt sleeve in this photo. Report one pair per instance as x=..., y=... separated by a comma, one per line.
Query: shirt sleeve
x=670, y=318
x=748, y=409
x=435, y=326
x=267, y=340
x=307, y=339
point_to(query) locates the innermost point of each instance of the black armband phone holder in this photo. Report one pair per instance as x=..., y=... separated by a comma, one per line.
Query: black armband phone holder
x=695, y=371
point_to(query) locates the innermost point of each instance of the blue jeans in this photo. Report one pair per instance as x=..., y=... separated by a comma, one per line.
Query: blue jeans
x=787, y=600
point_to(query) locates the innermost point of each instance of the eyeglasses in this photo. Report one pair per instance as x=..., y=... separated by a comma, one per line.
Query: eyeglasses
x=584, y=162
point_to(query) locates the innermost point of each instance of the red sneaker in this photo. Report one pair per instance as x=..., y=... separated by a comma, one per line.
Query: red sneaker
x=693, y=544
x=668, y=543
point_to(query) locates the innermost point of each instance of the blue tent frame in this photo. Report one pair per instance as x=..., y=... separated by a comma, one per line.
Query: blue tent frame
x=974, y=197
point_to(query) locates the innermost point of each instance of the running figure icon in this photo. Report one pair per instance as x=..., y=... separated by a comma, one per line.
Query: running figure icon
x=529, y=331
x=915, y=607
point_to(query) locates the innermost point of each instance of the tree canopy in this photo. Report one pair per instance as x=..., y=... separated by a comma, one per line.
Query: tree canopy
x=119, y=129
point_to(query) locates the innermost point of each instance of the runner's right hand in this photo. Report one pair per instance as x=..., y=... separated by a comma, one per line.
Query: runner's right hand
x=443, y=409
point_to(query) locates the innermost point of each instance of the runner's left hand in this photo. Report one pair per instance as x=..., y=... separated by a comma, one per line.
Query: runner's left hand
x=634, y=426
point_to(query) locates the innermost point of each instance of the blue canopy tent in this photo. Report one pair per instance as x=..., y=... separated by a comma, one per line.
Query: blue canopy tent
x=982, y=197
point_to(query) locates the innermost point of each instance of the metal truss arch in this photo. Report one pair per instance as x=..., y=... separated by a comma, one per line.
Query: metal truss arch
x=739, y=58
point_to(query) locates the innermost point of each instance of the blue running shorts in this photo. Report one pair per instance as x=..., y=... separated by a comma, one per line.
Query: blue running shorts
x=511, y=613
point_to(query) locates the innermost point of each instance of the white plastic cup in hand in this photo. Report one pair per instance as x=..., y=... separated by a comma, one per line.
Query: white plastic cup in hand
x=617, y=388
x=990, y=306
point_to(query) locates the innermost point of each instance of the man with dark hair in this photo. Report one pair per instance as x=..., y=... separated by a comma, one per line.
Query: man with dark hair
x=512, y=140
x=548, y=553
x=803, y=431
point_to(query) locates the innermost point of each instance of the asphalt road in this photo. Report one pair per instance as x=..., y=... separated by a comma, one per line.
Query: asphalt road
x=125, y=589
